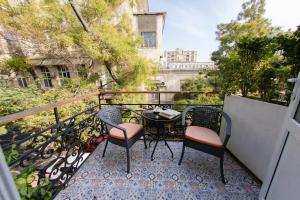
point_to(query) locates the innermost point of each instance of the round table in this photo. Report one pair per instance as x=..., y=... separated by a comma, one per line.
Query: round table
x=153, y=119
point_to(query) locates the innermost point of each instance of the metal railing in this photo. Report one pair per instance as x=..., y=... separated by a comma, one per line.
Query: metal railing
x=56, y=152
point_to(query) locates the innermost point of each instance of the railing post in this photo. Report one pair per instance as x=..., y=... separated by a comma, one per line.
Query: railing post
x=56, y=115
x=158, y=98
x=99, y=100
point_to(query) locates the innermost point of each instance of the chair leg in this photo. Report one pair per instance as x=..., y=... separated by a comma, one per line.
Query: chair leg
x=183, y=148
x=222, y=170
x=144, y=136
x=103, y=154
x=128, y=160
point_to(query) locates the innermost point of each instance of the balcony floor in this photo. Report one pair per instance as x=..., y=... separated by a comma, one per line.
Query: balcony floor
x=198, y=177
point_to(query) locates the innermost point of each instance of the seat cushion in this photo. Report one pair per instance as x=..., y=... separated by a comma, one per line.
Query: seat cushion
x=203, y=135
x=131, y=130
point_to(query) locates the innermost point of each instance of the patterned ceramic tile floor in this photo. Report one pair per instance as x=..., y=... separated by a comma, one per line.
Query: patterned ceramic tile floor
x=198, y=177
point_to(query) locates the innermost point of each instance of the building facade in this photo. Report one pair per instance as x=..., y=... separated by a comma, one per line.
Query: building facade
x=150, y=26
x=189, y=66
x=53, y=72
x=176, y=67
x=180, y=55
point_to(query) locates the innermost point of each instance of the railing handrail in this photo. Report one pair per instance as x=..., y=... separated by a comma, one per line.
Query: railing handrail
x=55, y=105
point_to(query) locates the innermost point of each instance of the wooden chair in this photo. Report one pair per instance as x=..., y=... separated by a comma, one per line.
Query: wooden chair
x=122, y=134
x=203, y=134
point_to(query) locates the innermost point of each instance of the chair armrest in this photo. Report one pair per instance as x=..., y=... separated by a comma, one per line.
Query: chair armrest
x=228, y=127
x=184, y=112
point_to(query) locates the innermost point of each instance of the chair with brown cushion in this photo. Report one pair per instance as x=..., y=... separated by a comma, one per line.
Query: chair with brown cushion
x=122, y=134
x=204, y=132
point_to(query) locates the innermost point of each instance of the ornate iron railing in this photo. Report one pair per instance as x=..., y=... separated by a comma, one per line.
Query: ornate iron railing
x=55, y=153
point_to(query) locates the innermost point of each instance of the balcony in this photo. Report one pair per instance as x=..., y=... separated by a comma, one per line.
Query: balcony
x=64, y=164
x=197, y=178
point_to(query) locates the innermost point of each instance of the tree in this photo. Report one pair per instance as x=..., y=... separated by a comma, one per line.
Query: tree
x=290, y=46
x=244, y=43
x=254, y=54
x=250, y=22
x=204, y=82
x=52, y=30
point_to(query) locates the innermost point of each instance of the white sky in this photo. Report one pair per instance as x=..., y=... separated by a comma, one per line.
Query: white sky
x=285, y=13
x=191, y=24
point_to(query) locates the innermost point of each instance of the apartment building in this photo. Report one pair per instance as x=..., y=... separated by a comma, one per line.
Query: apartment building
x=188, y=66
x=180, y=55
x=176, y=67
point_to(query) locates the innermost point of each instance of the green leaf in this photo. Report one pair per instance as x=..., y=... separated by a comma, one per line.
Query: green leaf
x=21, y=182
x=3, y=130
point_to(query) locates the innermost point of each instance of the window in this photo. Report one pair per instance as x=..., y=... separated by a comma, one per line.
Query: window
x=22, y=82
x=149, y=39
x=63, y=72
x=46, y=77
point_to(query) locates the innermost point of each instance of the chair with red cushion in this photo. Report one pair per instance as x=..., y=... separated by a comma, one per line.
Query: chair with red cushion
x=203, y=134
x=122, y=134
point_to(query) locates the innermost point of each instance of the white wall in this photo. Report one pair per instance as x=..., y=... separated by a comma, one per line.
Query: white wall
x=256, y=126
x=172, y=80
x=153, y=53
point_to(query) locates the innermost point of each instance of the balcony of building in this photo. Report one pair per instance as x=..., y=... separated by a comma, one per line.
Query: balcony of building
x=67, y=161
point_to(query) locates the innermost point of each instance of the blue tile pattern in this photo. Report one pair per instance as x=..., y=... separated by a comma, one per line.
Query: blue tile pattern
x=198, y=177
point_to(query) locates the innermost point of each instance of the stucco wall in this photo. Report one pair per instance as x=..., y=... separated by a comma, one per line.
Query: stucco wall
x=156, y=25
x=256, y=126
x=172, y=80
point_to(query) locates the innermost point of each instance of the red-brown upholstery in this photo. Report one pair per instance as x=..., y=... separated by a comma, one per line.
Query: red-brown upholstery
x=203, y=135
x=131, y=130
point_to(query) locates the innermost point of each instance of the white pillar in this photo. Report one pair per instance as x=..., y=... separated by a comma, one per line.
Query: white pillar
x=8, y=190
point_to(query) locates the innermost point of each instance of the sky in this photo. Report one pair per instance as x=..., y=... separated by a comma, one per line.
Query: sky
x=191, y=24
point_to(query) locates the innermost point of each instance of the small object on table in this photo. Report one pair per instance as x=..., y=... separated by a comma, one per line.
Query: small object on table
x=159, y=121
x=166, y=113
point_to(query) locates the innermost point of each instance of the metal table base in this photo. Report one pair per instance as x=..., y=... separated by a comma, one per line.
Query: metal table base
x=158, y=138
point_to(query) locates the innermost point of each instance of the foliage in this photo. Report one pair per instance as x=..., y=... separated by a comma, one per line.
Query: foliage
x=196, y=84
x=271, y=80
x=12, y=154
x=249, y=23
x=254, y=55
x=104, y=35
x=18, y=64
x=27, y=191
x=204, y=82
x=237, y=56
x=14, y=100
x=201, y=99
x=3, y=130
x=248, y=57
x=290, y=48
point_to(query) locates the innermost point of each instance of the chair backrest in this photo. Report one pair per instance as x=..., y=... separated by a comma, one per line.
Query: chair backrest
x=206, y=117
x=111, y=114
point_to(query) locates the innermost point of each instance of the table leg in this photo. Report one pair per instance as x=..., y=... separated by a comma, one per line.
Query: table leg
x=152, y=141
x=157, y=140
x=155, y=147
x=164, y=138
